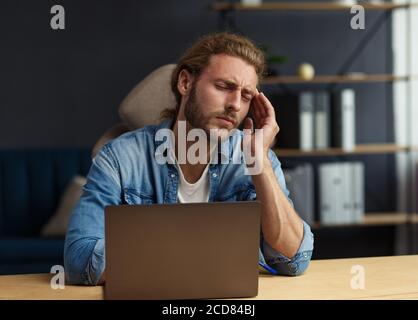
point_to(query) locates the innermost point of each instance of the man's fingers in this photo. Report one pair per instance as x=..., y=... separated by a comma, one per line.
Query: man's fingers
x=267, y=106
x=262, y=105
x=256, y=111
x=248, y=123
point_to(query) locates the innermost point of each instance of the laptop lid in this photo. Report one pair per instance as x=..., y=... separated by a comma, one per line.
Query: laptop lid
x=182, y=251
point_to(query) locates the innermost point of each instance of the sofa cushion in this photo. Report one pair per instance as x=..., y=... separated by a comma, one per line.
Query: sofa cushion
x=57, y=224
x=26, y=267
x=31, y=183
x=27, y=250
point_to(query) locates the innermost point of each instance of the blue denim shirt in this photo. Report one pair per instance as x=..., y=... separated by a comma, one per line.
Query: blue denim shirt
x=125, y=171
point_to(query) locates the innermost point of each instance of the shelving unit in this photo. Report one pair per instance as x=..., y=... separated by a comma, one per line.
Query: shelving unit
x=305, y=6
x=334, y=79
x=360, y=149
x=376, y=219
x=228, y=12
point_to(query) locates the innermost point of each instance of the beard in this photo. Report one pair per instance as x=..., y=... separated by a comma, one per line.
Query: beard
x=192, y=111
x=196, y=118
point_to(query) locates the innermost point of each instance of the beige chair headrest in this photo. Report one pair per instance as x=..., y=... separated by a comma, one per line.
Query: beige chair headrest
x=143, y=105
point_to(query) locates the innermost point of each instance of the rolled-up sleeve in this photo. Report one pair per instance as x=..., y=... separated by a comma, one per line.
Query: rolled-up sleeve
x=290, y=266
x=276, y=262
x=84, y=250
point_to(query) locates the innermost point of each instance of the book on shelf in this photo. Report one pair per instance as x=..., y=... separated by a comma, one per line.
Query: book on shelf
x=300, y=183
x=346, y=205
x=358, y=186
x=343, y=120
x=311, y=121
x=322, y=120
x=330, y=186
x=341, y=192
x=416, y=189
x=294, y=115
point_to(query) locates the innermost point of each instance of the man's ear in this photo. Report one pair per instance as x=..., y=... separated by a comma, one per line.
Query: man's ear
x=184, y=82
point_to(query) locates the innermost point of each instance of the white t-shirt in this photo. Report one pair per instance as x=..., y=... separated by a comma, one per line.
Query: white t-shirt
x=193, y=192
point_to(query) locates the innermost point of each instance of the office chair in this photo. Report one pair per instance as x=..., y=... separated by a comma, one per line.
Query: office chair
x=143, y=105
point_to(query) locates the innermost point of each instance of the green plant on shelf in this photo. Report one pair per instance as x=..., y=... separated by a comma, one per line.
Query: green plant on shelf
x=273, y=61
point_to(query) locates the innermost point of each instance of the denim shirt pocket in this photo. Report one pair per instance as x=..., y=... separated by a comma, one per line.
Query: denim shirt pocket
x=134, y=196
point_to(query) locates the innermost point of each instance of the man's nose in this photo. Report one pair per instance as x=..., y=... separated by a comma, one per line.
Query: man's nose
x=234, y=101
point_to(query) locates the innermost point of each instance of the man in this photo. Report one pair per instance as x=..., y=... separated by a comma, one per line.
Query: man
x=215, y=84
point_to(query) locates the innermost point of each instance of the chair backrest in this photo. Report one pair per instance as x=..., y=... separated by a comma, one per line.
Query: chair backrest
x=143, y=105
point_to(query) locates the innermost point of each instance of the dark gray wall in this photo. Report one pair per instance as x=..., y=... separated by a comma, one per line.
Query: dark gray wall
x=62, y=88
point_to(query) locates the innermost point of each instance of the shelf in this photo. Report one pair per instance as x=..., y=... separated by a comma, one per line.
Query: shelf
x=360, y=78
x=360, y=149
x=305, y=6
x=375, y=219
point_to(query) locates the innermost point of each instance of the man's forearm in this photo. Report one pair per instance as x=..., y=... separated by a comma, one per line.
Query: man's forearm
x=282, y=227
x=102, y=279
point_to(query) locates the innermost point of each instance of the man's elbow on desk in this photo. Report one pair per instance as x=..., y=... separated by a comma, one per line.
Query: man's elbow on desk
x=84, y=262
x=296, y=265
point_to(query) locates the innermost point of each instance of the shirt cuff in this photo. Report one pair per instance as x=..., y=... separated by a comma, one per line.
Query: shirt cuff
x=96, y=264
x=289, y=266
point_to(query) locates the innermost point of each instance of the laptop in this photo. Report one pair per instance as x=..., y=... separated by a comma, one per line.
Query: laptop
x=182, y=251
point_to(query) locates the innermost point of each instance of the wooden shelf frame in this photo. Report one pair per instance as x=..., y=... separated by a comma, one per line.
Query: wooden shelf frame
x=359, y=150
x=375, y=219
x=308, y=6
x=360, y=78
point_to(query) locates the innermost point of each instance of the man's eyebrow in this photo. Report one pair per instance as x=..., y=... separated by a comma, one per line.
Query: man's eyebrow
x=248, y=91
x=232, y=84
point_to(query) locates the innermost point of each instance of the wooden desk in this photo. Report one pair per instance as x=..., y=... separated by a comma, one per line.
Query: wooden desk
x=385, y=278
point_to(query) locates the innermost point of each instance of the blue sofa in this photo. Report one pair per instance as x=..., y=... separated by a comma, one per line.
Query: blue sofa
x=31, y=183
